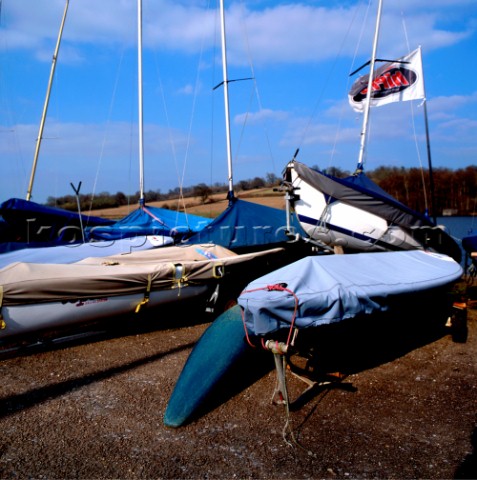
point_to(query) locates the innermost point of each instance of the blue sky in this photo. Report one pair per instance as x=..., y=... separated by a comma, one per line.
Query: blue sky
x=300, y=55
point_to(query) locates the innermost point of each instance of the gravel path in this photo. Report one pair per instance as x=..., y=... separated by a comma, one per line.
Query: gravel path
x=93, y=409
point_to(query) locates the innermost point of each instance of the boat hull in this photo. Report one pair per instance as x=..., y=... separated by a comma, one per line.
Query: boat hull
x=20, y=320
x=36, y=297
x=219, y=349
x=335, y=223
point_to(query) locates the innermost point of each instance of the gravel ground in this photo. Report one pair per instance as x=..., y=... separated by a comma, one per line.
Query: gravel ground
x=93, y=408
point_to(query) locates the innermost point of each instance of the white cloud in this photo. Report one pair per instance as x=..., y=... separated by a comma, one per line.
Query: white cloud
x=284, y=33
x=451, y=102
x=186, y=89
x=264, y=115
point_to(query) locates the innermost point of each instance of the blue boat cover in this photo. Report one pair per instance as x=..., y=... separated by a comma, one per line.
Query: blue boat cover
x=148, y=220
x=332, y=288
x=247, y=225
x=15, y=210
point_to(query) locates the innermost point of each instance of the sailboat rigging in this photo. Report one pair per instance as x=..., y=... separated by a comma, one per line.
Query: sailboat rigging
x=245, y=226
x=48, y=296
x=226, y=102
x=30, y=225
x=148, y=220
x=364, y=131
x=140, y=102
x=369, y=93
x=353, y=213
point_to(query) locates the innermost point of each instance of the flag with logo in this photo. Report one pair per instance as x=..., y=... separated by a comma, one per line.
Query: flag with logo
x=396, y=81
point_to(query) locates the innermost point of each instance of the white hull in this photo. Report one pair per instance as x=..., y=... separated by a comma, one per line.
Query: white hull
x=339, y=224
x=32, y=318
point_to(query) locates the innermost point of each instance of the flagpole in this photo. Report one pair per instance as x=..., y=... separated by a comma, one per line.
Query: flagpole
x=429, y=161
x=428, y=146
x=364, y=130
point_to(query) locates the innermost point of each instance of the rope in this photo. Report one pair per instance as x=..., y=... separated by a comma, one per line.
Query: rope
x=108, y=123
x=413, y=118
x=279, y=354
x=273, y=288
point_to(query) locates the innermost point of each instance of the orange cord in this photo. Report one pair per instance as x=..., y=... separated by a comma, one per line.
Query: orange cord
x=272, y=288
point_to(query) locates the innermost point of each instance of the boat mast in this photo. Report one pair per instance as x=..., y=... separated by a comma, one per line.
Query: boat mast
x=230, y=194
x=140, y=102
x=364, y=130
x=45, y=106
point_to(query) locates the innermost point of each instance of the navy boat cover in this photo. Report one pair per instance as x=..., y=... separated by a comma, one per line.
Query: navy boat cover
x=248, y=225
x=29, y=224
x=26, y=224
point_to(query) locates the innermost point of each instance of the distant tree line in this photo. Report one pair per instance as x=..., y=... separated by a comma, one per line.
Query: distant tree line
x=106, y=200
x=455, y=191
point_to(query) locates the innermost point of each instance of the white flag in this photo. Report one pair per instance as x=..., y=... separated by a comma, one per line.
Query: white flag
x=393, y=82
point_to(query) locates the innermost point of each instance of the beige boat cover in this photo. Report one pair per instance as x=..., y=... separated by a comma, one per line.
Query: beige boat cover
x=147, y=270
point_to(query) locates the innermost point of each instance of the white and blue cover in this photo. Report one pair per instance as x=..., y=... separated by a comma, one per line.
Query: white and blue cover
x=331, y=288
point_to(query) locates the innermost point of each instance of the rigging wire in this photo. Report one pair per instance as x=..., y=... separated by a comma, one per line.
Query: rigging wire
x=194, y=102
x=344, y=105
x=325, y=86
x=108, y=123
x=253, y=94
x=171, y=139
x=212, y=97
x=180, y=175
x=403, y=22
x=12, y=119
x=257, y=93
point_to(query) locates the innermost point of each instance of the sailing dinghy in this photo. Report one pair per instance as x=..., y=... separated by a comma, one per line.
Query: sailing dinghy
x=357, y=215
x=325, y=289
x=40, y=297
x=286, y=311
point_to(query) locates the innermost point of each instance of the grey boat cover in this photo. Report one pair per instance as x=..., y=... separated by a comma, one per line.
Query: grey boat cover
x=332, y=288
x=359, y=191
x=162, y=268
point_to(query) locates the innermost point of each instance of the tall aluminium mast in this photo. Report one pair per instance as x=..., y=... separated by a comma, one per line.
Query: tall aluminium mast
x=45, y=106
x=226, y=103
x=364, y=131
x=140, y=102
